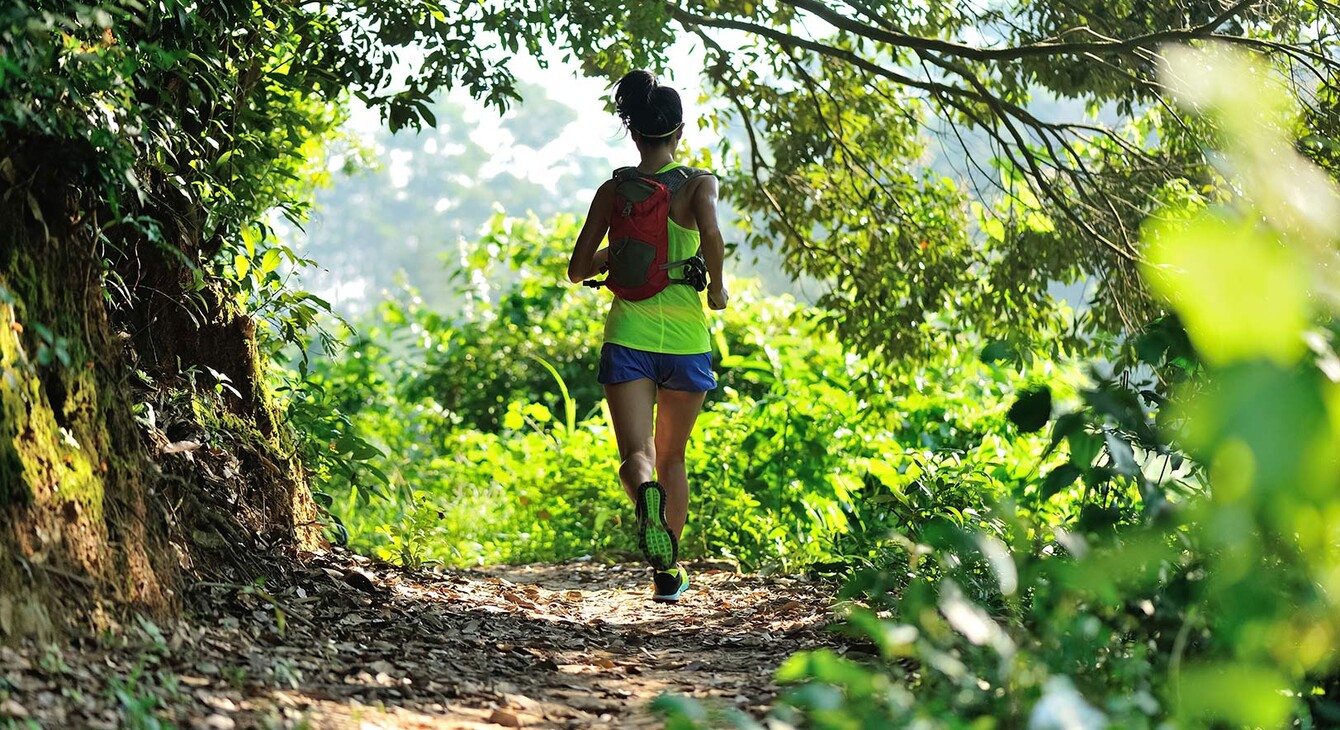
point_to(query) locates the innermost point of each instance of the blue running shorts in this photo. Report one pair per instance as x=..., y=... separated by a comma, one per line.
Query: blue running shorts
x=691, y=373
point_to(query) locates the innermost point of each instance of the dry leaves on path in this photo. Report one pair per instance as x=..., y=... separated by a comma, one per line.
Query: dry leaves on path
x=337, y=641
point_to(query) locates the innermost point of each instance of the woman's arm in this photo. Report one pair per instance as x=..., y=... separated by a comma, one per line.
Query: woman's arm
x=713, y=245
x=586, y=261
x=598, y=264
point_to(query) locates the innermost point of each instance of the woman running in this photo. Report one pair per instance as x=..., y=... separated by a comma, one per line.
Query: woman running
x=656, y=363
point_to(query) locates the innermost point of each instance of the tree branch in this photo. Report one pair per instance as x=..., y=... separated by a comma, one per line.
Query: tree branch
x=1051, y=48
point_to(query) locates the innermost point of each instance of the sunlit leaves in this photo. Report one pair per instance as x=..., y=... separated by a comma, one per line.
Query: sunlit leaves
x=1241, y=293
x=1249, y=281
x=1243, y=576
x=1240, y=694
x=270, y=261
x=1278, y=415
x=1290, y=194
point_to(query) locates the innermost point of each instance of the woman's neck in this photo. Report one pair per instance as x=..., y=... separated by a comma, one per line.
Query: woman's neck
x=654, y=160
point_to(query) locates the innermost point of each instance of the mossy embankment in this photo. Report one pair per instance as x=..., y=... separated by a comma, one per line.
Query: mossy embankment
x=97, y=514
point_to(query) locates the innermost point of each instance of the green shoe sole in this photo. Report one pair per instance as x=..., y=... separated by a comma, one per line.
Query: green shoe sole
x=658, y=544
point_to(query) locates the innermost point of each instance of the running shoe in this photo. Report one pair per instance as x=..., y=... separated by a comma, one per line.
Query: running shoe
x=658, y=543
x=670, y=584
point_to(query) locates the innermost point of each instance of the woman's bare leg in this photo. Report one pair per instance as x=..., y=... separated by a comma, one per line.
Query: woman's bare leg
x=631, y=408
x=676, y=412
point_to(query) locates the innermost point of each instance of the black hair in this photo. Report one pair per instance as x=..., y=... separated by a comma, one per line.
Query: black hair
x=648, y=108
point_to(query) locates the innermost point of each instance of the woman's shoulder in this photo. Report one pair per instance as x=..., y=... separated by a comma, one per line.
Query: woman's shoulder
x=703, y=180
x=692, y=179
x=606, y=189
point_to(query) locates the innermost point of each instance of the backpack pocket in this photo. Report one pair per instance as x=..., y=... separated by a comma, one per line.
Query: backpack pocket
x=636, y=190
x=630, y=262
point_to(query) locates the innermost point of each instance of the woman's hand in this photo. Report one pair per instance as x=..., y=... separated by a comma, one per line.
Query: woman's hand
x=600, y=264
x=717, y=296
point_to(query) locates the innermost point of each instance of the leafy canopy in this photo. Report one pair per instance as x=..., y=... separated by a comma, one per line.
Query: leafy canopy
x=869, y=124
x=844, y=102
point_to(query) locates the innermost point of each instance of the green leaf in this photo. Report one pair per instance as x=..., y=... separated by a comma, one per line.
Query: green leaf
x=1059, y=478
x=538, y=412
x=998, y=351
x=1238, y=695
x=363, y=451
x=1064, y=426
x=1241, y=294
x=569, y=405
x=1279, y=417
x=270, y=261
x=824, y=666
x=1123, y=456
x=995, y=230
x=1032, y=410
x=681, y=713
x=1084, y=447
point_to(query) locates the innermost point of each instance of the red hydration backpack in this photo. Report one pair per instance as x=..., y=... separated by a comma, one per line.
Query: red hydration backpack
x=639, y=265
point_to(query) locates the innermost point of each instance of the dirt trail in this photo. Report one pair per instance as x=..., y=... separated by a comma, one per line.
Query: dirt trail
x=366, y=645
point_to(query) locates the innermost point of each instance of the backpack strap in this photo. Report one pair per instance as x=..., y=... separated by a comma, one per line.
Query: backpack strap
x=694, y=267
x=673, y=179
x=677, y=178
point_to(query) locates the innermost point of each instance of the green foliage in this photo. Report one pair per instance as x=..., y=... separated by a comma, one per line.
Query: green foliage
x=143, y=92
x=1219, y=613
x=168, y=136
x=494, y=440
x=158, y=143
x=519, y=327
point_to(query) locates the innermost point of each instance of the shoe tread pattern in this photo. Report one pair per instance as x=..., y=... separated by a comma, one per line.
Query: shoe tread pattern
x=658, y=544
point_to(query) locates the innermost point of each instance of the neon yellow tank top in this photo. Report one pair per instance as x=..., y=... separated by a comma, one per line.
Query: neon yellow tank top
x=672, y=321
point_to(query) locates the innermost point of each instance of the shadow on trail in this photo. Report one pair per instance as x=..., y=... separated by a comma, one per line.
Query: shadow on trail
x=364, y=644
